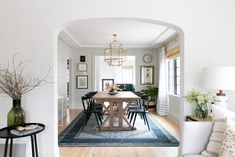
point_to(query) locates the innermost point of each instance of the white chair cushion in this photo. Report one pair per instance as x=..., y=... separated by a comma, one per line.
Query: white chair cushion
x=217, y=135
x=228, y=144
x=193, y=156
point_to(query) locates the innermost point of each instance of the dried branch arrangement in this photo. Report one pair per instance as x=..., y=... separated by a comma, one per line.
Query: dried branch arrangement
x=15, y=82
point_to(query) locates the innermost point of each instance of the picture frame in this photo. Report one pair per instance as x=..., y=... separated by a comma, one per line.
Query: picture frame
x=82, y=67
x=105, y=82
x=82, y=58
x=82, y=81
x=146, y=75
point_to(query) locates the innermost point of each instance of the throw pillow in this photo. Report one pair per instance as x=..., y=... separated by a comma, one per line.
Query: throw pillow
x=219, y=112
x=228, y=144
x=215, y=140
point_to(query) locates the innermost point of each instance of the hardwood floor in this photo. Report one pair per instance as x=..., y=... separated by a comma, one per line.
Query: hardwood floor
x=71, y=114
x=167, y=122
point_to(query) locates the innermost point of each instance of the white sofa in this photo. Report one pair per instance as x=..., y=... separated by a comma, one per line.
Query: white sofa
x=196, y=135
x=195, y=138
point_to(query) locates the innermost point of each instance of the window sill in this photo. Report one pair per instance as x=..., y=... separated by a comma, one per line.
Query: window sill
x=173, y=95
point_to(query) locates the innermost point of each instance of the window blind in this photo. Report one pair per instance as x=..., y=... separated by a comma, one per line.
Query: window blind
x=173, y=53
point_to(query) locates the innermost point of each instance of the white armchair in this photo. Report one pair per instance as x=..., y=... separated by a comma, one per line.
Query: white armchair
x=195, y=138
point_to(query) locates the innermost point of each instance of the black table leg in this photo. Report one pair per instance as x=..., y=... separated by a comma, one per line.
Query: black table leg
x=35, y=144
x=32, y=145
x=11, y=142
x=6, y=147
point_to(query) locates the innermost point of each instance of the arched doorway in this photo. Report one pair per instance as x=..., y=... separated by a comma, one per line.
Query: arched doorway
x=148, y=21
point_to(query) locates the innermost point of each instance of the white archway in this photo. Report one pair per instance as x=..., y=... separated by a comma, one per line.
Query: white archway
x=176, y=28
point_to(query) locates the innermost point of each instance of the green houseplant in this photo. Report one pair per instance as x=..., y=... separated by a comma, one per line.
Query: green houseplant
x=201, y=100
x=151, y=91
x=15, y=82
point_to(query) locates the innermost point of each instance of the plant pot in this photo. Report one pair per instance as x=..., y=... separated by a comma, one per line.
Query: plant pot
x=152, y=105
x=201, y=111
x=16, y=115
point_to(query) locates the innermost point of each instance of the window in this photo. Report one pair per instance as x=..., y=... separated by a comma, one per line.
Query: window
x=120, y=74
x=127, y=74
x=174, y=76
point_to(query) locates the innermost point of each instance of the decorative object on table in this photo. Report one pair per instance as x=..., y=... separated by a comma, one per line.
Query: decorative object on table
x=82, y=81
x=151, y=91
x=202, y=101
x=141, y=137
x=220, y=78
x=82, y=58
x=146, y=75
x=14, y=82
x=25, y=130
x=106, y=83
x=112, y=89
x=82, y=67
x=147, y=58
x=115, y=54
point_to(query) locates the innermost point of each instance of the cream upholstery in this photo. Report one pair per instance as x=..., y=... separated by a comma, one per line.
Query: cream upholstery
x=195, y=137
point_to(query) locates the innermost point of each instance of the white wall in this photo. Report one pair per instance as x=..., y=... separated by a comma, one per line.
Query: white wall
x=90, y=54
x=64, y=52
x=31, y=28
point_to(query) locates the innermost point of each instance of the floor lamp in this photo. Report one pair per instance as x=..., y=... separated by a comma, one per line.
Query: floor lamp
x=220, y=78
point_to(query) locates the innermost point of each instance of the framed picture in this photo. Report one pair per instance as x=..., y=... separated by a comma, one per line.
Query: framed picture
x=146, y=75
x=106, y=82
x=82, y=58
x=82, y=81
x=82, y=67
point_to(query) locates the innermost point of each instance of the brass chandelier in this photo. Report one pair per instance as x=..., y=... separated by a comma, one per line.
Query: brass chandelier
x=115, y=54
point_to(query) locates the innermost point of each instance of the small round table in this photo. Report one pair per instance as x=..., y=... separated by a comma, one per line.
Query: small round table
x=6, y=133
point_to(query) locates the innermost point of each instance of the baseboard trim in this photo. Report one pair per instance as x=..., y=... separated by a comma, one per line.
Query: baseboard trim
x=173, y=117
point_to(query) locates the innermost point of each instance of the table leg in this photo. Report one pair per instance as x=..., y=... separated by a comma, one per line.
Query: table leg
x=11, y=142
x=6, y=147
x=120, y=114
x=32, y=145
x=35, y=144
x=111, y=114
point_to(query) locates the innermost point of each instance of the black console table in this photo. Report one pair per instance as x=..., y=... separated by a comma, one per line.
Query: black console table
x=6, y=134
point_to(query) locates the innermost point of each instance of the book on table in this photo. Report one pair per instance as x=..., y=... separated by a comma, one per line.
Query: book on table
x=25, y=132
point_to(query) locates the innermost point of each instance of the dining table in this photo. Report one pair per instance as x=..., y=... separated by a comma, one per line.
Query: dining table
x=118, y=104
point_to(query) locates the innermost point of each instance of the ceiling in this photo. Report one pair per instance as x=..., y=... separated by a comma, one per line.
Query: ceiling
x=131, y=33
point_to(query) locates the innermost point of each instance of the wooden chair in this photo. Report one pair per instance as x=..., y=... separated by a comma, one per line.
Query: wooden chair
x=89, y=109
x=142, y=111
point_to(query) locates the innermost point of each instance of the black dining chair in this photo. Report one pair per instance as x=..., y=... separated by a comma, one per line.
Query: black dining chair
x=135, y=105
x=141, y=111
x=89, y=108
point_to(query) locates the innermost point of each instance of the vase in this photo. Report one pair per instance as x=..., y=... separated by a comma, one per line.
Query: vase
x=201, y=111
x=16, y=115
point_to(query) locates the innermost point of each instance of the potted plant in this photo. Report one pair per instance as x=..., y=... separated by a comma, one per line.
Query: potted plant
x=15, y=82
x=151, y=91
x=201, y=100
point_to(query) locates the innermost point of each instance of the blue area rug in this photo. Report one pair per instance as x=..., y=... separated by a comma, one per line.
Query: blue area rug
x=158, y=136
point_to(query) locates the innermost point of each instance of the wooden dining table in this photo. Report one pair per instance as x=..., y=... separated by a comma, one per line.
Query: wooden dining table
x=118, y=105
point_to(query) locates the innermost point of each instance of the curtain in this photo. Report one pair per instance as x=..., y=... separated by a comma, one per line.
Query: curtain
x=162, y=102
